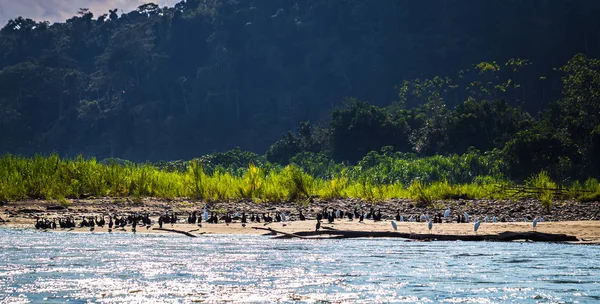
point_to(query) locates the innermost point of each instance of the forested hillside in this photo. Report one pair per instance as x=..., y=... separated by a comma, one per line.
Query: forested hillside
x=516, y=78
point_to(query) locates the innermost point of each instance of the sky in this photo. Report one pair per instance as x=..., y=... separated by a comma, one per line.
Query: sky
x=61, y=10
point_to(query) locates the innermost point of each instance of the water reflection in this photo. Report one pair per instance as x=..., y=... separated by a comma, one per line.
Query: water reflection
x=56, y=267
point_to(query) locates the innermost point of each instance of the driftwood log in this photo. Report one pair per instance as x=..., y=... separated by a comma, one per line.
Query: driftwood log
x=291, y=235
x=175, y=231
x=502, y=237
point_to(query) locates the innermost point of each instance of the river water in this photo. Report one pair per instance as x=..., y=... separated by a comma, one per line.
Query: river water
x=148, y=268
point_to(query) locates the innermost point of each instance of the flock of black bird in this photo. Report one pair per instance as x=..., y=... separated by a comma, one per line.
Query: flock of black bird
x=114, y=221
x=135, y=220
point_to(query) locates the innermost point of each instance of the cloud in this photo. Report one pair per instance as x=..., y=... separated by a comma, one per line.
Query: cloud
x=61, y=10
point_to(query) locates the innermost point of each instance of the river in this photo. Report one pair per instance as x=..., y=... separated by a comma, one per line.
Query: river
x=151, y=268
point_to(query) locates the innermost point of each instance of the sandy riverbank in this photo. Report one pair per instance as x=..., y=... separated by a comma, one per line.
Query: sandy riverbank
x=587, y=230
x=24, y=214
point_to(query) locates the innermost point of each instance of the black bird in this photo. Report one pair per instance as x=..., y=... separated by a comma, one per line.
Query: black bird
x=302, y=217
x=318, y=226
x=244, y=219
x=330, y=217
x=398, y=216
x=371, y=213
x=377, y=217
x=83, y=223
x=252, y=218
x=362, y=217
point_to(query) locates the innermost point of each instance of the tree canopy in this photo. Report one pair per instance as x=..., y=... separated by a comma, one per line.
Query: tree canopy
x=425, y=77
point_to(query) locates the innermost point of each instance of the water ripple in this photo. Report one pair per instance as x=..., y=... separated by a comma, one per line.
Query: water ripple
x=125, y=268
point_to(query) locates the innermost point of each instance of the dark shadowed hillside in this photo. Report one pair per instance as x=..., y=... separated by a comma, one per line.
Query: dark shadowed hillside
x=209, y=75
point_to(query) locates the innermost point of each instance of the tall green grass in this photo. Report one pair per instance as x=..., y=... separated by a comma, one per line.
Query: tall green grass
x=375, y=179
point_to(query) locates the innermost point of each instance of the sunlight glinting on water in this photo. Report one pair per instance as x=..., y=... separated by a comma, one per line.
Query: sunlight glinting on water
x=126, y=268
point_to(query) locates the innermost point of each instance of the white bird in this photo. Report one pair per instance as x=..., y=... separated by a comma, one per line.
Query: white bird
x=394, y=225
x=485, y=219
x=466, y=217
x=411, y=219
x=476, y=226
x=283, y=216
x=422, y=217
x=494, y=219
x=447, y=213
x=535, y=221
x=337, y=214
x=541, y=219
x=205, y=214
x=402, y=218
x=430, y=225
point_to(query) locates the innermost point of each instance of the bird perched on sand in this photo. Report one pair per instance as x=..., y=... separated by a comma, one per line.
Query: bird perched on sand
x=318, y=226
x=110, y=223
x=494, y=219
x=430, y=225
x=411, y=219
x=466, y=217
x=402, y=218
x=447, y=213
x=394, y=226
x=476, y=226
x=485, y=219
x=535, y=221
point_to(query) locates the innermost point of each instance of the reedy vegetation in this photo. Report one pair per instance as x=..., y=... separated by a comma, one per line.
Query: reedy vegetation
x=376, y=178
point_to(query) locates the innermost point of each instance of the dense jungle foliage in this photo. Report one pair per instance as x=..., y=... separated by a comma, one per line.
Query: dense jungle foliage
x=376, y=178
x=412, y=90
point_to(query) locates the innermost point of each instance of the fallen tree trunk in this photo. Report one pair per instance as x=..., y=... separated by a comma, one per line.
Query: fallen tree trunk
x=175, y=231
x=503, y=237
x=287, y=235
x=535, y=236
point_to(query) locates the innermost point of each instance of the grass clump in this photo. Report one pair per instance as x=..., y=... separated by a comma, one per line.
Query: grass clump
x=420, y=194
x=545, y=188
